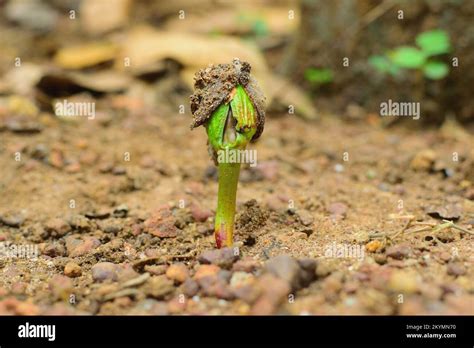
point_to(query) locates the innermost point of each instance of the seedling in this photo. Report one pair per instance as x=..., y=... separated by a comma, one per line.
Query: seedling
x=318, y=76
x=229, y=104
x=422, y=58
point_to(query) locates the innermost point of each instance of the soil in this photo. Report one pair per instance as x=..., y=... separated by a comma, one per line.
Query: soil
x=121, y=209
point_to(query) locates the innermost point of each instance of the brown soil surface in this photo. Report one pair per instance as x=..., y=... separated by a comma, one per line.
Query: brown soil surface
x=138, y=190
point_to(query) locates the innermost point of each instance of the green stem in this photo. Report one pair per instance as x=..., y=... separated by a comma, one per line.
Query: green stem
x=228, y=181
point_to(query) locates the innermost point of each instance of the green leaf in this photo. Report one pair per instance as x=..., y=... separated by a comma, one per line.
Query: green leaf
x=434, y=42
x=260, y=27
x=232, y=125
x=435, y=70
x=408, y=57
x=318, y=76
x=383, y=64
x=243, y=110
x=216, y=125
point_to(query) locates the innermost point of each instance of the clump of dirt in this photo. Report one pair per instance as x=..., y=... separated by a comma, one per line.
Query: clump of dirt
x=250, y=221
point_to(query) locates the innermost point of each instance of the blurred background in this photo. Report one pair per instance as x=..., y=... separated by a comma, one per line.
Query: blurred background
x=342, y=56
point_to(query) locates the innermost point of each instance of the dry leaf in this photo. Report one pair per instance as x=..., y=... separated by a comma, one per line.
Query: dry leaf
x=98, y=17
x=21, y=81
x=449, y=211
x=83, y=56
x=145, y=46
x=231, y=21
x=103, y=81
x=72, y=82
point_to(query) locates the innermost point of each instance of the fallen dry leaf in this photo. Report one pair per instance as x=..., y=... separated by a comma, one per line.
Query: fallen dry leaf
x=87, y=55
x=144, y=46
x=450, y=211
x=102, y=81
x=98, y=17
x=22, y=81
x=231, y=22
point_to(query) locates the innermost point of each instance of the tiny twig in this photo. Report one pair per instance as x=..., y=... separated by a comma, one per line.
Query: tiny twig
x=425, y=223
x=429, y=226
x=442, y=226
x=407, y=226
x=122, y=293
x=140, y=264
x=423, y=229
x=136, y=281
x=386, y=235
x=457, y=227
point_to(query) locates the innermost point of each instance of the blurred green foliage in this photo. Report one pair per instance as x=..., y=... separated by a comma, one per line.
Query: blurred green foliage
x=257, y=24
x=434, y=42
x=430, y=43
x=319, y=76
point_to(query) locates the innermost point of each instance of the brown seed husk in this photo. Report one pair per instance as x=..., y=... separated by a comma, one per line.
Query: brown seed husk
x=213, y=85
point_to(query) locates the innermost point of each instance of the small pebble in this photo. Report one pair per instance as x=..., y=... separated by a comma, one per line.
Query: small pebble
x=159, y=287
x=54, y=249
x=273, y=292
x=240, y=279
x=470, y=194
x=373, y=246
x=403, y=281
x=161, y=224
x=61, y=286
x=338, y=209
x=74, y=167
x=19, y=288
x=246, y=265
x=57, y=227
x=285, y=267
x=190, y=287
x=398, y=252
x=445, y=256
x=121, y=211
x=381, y=259
x=119, y=170
x=423, y=160
x=78, y=247
x=200, y=214
x=177, y=272
x=305, y=216
x=103, y=271
x=456, y=269
x=72, y=270
x=224, y=257
x=338, y=168
x=111, y=226
x=206, y=271
x=12, y=219
x=156, y=269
